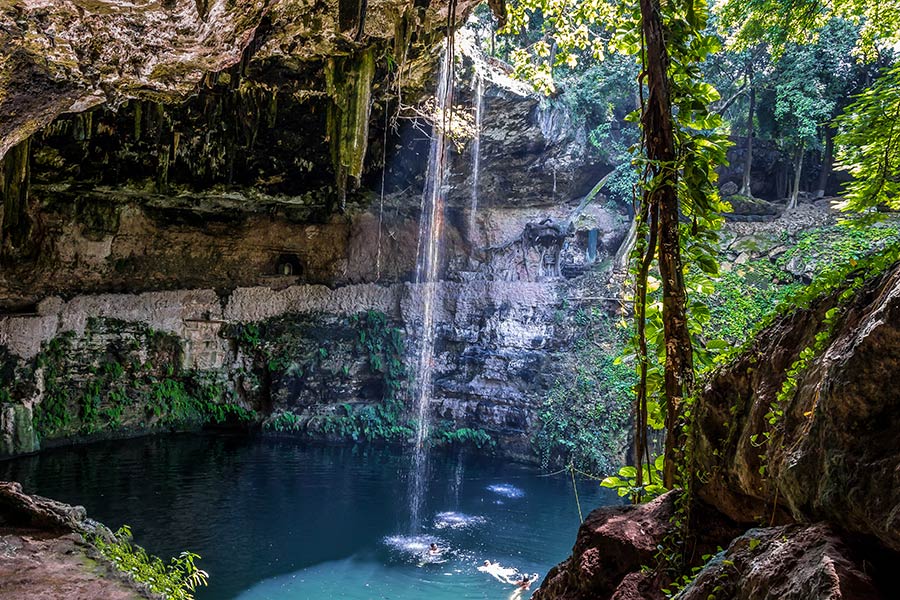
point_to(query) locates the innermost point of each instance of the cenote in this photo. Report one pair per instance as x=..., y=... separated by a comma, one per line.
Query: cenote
x=276, y=518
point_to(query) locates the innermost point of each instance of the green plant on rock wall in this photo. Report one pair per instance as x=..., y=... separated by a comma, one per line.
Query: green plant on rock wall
x=191, y=402
x=249, y=335
x=366, y=422
x=282, y=344
x=277, y=345
x=283, y=422
x=90, y=406
x=584, y=419
x=446, y=435
x=52, y=414
x=384, y=348
x=176, y=581
x=101, y=383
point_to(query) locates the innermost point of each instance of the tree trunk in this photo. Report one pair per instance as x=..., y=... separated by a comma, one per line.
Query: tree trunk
x=659, y=137
x=748, y=153
x=798, y=168
x=827, y=159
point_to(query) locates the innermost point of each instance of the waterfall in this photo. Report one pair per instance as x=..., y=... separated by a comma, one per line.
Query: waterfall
x=427, y=263
x=476, y=152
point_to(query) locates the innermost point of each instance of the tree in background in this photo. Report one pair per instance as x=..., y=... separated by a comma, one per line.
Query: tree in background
x=787, y=89
x=822, y=54
x=681, y=144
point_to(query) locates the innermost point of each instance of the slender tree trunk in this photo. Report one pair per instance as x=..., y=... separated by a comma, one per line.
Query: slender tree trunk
x=827, y=159
x=781, y=186
x=659, y=139
x=798, y=168
x=748, y=153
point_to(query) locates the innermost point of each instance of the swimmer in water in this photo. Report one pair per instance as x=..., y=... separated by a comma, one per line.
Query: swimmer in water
x=433, y=555
x=501, y=574
x=522, y=585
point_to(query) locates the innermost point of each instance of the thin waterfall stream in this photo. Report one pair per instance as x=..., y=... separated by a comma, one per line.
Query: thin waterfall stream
x=476, y=151
x=427, y=266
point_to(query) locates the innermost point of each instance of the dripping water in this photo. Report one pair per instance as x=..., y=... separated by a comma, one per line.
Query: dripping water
x=427, y=263
x=476, y=152
x=381, y=202
x=458, y=477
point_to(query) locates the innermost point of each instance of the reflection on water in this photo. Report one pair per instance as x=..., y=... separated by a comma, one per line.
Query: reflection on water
x=506, y=490
x=456, y=520
x=278, y=519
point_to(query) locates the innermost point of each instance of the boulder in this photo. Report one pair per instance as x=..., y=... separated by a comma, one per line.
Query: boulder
x=612, y=545
x=47, y=551
x=729, y=188
x=827, y=482
x=18, y=509
x=749, y=206
x=835, y=453
x=784, y=563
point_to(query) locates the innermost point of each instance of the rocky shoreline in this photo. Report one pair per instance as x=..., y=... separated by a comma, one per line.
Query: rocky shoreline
x=46, y=552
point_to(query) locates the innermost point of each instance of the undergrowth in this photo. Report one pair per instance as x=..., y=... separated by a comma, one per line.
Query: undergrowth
x=175, y=581
x=585, y=420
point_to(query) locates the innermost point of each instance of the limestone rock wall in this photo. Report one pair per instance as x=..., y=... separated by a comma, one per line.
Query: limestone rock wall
x=192, y=195
x=497, y=350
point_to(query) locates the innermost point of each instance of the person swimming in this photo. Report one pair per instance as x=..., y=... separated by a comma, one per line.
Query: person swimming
x=433, y=549
x=500, y=573
x=525, y=582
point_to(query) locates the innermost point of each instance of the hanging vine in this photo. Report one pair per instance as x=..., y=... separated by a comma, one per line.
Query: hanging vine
x=677, y=215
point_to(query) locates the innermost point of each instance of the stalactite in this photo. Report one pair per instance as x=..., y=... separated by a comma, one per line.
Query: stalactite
x=202, y=9
x=272, y=112
x=349, y=84
x=137, y=120
x=15, y=220
x=162, y=173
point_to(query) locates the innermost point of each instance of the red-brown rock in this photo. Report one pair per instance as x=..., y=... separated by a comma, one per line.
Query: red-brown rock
x=612, y=545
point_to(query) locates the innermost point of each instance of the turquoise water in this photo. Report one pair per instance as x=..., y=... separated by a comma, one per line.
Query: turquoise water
x=276, y=519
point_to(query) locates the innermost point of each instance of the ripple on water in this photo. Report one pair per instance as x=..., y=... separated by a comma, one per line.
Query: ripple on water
x=506, y=490
x=411, y=544
x=416, y=547
x=457, y=520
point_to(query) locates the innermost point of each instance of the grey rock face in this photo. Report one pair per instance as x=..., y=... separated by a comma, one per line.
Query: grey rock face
x=17, y=430
x=785, y=563
x=834, y=456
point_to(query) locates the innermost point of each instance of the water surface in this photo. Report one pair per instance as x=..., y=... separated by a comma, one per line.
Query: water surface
x=276, y=519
